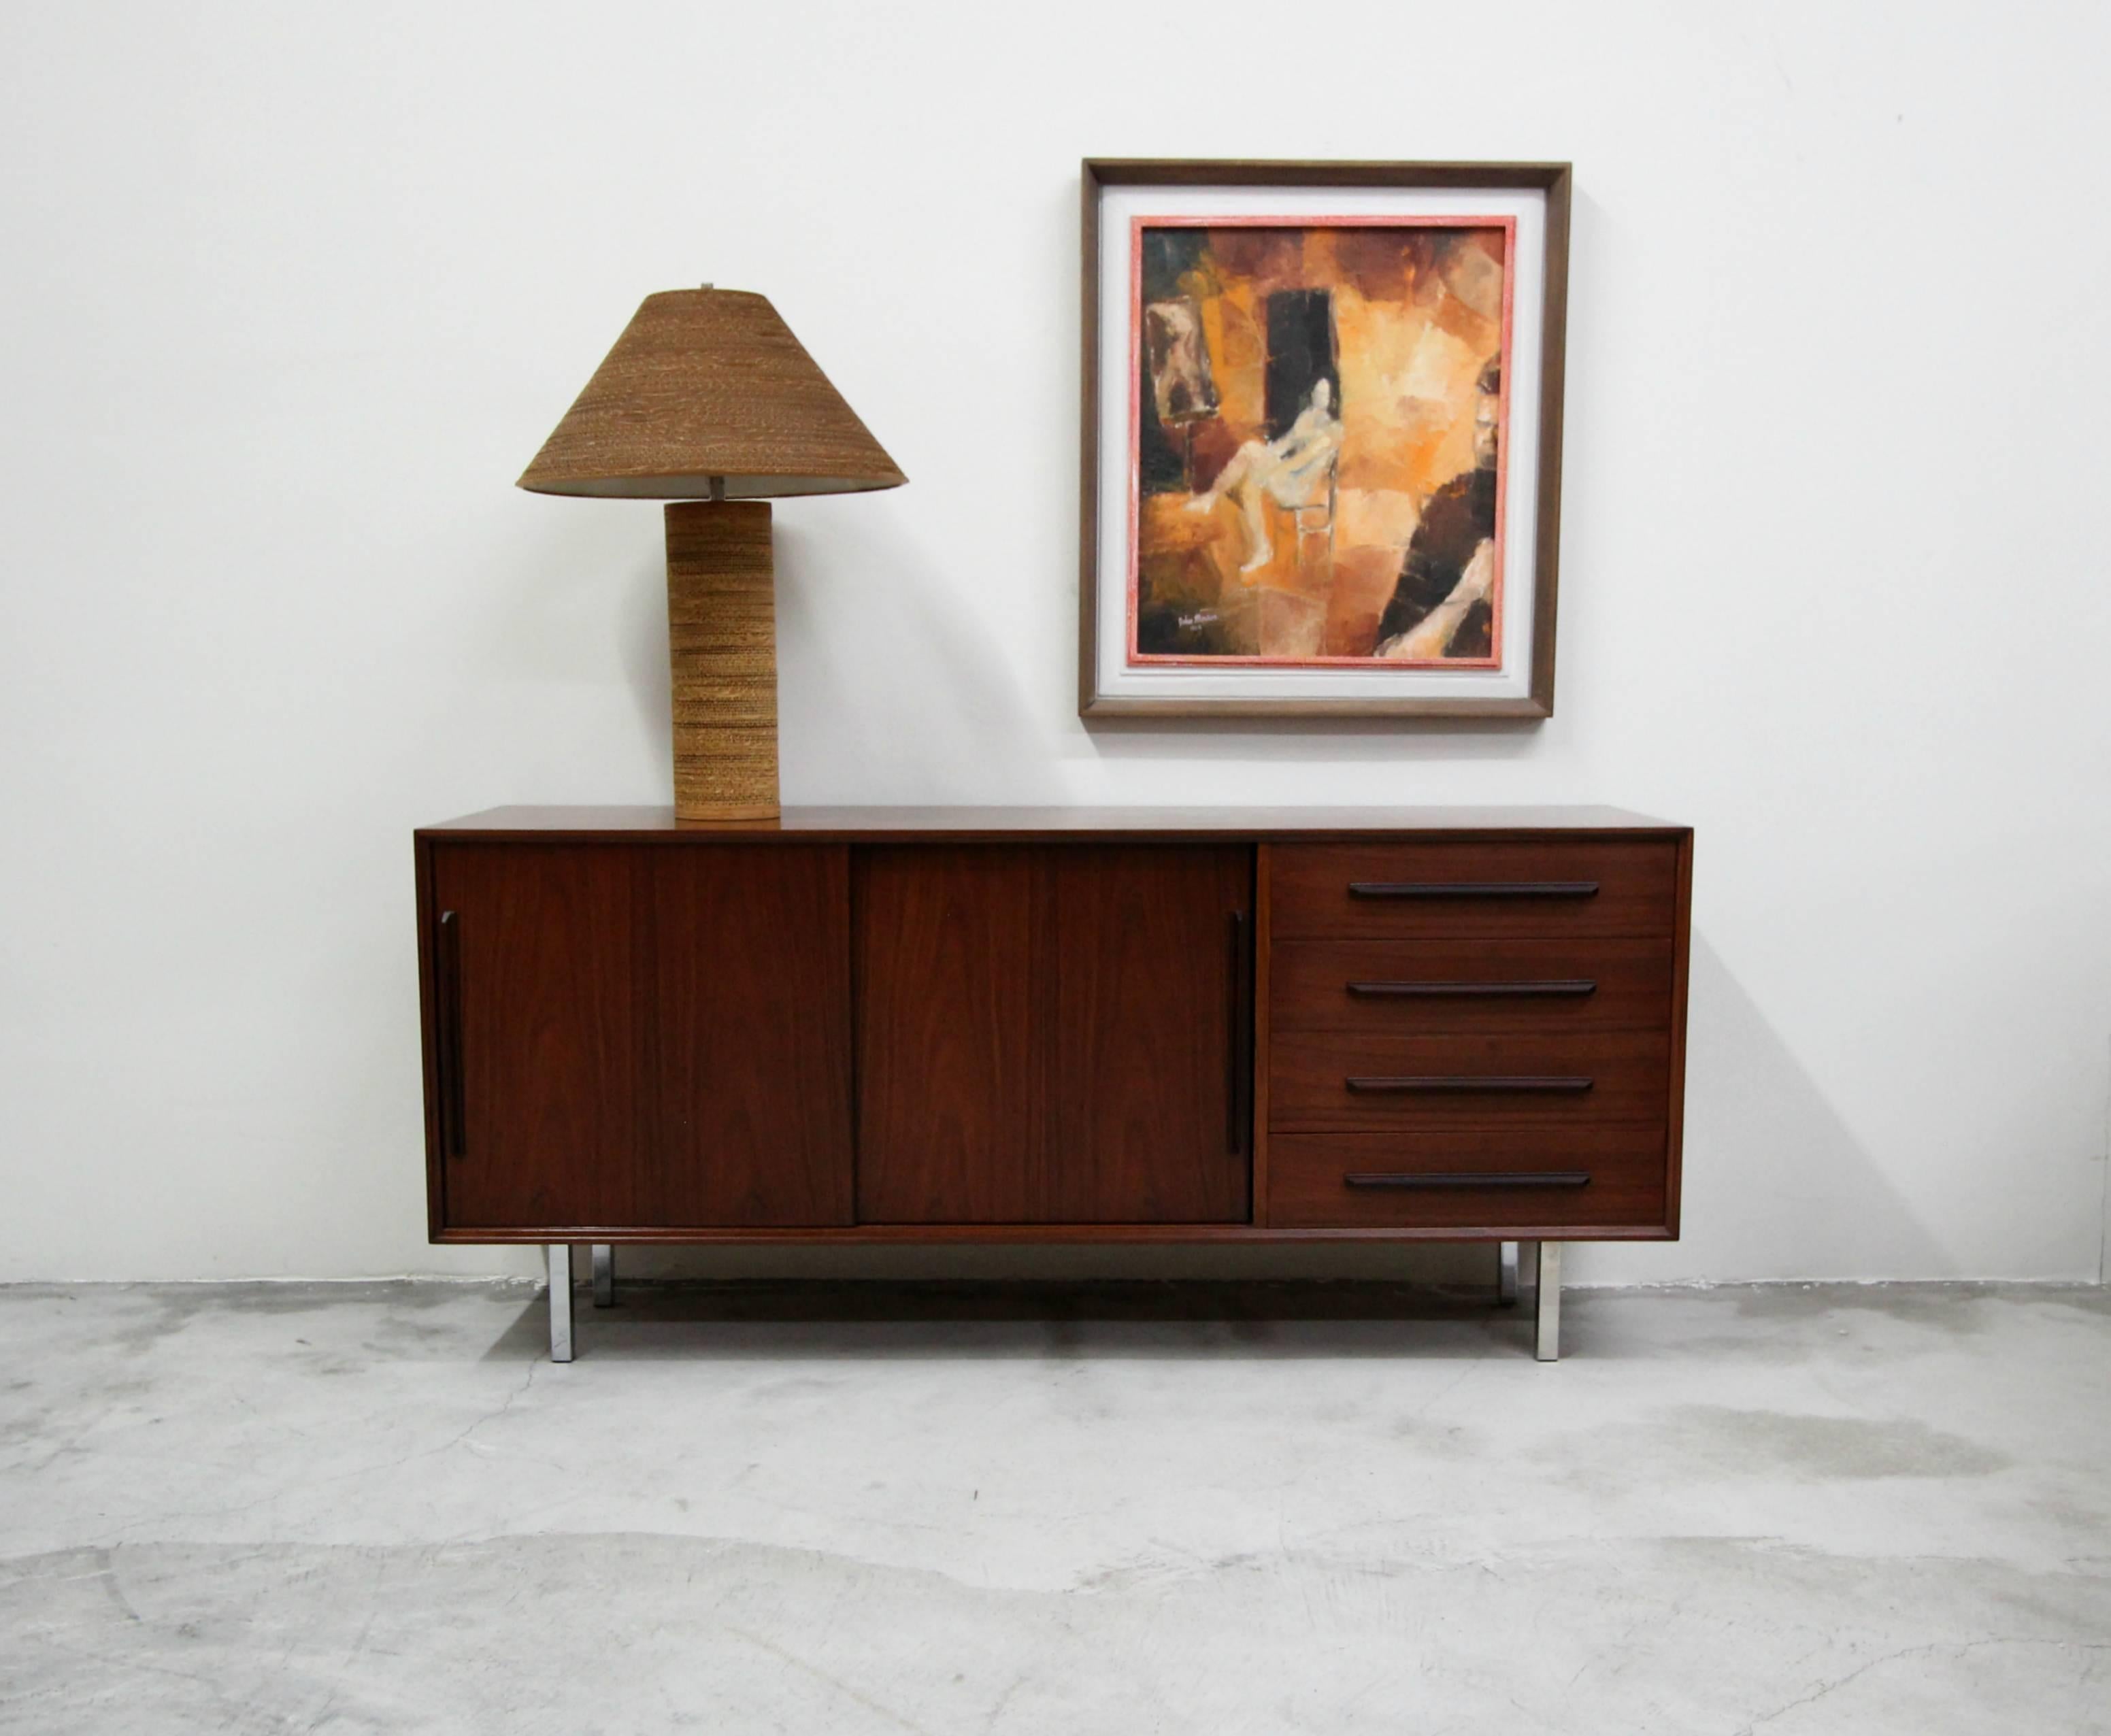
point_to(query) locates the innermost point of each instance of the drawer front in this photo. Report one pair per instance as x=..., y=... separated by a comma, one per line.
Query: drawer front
x=1485, y=1179
x=1403, y=987
x=1345, y=1081
x=1526, y=886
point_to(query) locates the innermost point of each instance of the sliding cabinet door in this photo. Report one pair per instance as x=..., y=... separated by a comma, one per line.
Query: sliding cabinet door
x=642, y=1037
x=1051, y=1033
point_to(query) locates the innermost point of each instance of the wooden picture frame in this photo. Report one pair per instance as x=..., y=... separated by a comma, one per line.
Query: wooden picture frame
x=1140, y=655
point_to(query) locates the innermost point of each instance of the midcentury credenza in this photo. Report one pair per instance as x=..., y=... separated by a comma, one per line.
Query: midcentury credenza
x=1118, y=1025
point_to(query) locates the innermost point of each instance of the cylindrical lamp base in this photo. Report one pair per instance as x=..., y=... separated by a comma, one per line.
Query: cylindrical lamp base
x=722, y=642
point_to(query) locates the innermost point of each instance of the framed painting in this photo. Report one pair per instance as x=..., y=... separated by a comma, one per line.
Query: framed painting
x=1322, y=438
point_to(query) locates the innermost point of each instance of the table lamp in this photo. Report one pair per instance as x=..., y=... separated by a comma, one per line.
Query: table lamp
x=708, y=402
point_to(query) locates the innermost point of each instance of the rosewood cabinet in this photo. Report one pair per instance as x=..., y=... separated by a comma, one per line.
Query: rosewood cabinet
x=891, y=1025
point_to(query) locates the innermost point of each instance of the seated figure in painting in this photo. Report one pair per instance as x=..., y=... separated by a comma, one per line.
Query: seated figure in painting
x=1289, y=469
x=1441, y=605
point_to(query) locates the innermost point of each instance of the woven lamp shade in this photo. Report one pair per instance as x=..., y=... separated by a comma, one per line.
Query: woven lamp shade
x=705, y=385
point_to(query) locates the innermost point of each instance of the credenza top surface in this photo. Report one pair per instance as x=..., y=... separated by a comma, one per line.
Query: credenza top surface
x=878, y=824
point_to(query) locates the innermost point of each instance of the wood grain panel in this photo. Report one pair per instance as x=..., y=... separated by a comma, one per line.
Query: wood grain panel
x=550, y=1085
x=1148, y=1115
x=1046, y=1034
x=1429, y=986
x=1308, y=1090
x=746, y=972
x=952, y=1069
x=1308, y=1172
x=1635, y=883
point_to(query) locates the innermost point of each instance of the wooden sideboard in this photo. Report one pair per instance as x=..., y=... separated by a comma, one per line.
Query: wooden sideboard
x=1112, y=1025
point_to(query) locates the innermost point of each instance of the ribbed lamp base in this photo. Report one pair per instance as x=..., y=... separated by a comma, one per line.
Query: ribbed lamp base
x=722, y=641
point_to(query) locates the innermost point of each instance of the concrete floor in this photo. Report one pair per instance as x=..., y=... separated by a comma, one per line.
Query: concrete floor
x=380, y=1508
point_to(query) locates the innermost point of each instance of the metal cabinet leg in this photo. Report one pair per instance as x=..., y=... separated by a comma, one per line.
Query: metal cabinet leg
x=604, y=1274
x=1547, y=1343
x=560, y=1301
x=1506, y=1274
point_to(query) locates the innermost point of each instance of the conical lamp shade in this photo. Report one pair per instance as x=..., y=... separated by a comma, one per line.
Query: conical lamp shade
x=705, y=384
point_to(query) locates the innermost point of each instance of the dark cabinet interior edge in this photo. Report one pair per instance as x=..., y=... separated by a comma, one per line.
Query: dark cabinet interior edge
x=1682, y=931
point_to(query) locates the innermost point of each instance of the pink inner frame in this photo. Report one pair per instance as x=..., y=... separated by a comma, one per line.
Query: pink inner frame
x=1138, y=226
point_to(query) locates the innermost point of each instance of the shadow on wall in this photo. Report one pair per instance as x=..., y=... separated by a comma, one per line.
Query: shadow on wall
x=646, y=665
x=867, y=633
x=1776, y=1183
x=587, y=582
x=1363, y=741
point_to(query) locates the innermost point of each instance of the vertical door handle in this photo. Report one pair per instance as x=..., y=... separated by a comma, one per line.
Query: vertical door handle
x=453, y=1136
x=1238, y=1066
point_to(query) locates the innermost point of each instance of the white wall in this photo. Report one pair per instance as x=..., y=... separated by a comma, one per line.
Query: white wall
x=293, y=293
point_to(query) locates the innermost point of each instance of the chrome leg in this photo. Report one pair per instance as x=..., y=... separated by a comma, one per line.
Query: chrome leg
x=560, y=1301
x=604, y=1274
x=1547, y=1343
x=1506, y=1274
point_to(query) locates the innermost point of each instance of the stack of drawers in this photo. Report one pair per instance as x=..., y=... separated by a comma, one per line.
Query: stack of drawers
x=1476, y=1036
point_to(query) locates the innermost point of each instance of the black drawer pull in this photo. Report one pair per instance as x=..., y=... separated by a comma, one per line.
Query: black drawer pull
x=1514, y=1178
x=1476, y=1082
x=1571, y=987
x=1473, y=889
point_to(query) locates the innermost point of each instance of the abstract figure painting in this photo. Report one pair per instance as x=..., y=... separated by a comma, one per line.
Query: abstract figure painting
x=1321, y=428
x=1339, y=502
